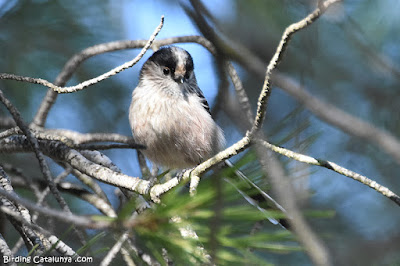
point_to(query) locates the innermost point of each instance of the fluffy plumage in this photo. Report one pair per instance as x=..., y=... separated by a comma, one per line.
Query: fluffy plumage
x=169, y=114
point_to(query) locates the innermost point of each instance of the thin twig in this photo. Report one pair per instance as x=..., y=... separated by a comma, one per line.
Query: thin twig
x=336, y=168
x=61, y=152
x=80, y=221
x=240, y=92
x=33, y=142
x=288, y=33
x=75, y=137
x=280, y=183
x=40, y=198
x=91, y=183
x=92, y=81
x=114, y=250
x=313, y=245
x=35, y=147
x=110, y=146
x=339, y=118
x=5, y=251
x=10, y=132
x=69, y=68
x=158, y=189
x=30, y=237
x=73, y=189
x=72, y=64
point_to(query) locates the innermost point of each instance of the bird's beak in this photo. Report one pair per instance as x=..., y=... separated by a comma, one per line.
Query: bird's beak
x=179, y=75
x=179, y=79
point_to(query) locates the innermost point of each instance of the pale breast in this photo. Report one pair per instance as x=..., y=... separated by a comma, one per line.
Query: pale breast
x=178, y=133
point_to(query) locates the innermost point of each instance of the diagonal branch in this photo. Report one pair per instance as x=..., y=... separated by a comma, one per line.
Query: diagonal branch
x=61, y=152
x=280, y=183
x=29, y=236
x=288, y=33
x=69, y=68
x=159, y=189
x=336, y=168
x=81, y=221
x=92, y=81
x=339, y=118
x=33, y=142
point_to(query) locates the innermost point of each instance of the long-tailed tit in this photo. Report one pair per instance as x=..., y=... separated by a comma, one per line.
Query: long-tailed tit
x=169, y=114
x=171, y=117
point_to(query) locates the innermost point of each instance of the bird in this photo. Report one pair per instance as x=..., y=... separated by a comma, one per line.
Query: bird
x=169, y=114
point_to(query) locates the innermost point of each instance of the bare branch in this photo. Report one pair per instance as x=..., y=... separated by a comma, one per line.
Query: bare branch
x=93, y=147
x=78, y=140
x=92, y=81
x=54, y=241
x=61, y=152
x=289, y=31
x=334, y=167
x=61, y=247
x=28, y=221
x=81, y=221
x=314, y=247
x=70, y=67
x=10, y=132
x=339, y=118
x=82, y=138
x=240, y=92
x=114, y=250
x=5, y=250
x=91, y=183
x=236, y=148
x=33, y=142
x=29, y=236
x=73, y=189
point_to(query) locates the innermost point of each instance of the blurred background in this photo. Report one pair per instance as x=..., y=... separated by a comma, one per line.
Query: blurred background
x=350, y=58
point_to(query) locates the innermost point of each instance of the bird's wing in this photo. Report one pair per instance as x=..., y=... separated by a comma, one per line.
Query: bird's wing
x=199, y=93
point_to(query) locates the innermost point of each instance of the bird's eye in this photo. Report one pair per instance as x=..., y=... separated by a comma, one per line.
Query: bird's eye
x=166, y=71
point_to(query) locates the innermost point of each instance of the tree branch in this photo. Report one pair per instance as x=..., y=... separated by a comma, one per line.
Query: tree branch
x=334, y=167
x=33, y=142
x=61, y=152
x=288, y=33
x=314, y=247
x=92, y=81
x=81, y=221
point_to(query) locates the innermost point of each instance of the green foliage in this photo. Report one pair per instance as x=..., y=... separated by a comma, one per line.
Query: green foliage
x=95, y=239
x=190, y=228
x=227, y=220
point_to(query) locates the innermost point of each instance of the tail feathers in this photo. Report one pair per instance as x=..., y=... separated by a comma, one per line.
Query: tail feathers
x=264, y=195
